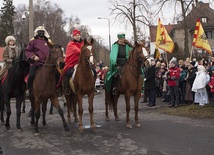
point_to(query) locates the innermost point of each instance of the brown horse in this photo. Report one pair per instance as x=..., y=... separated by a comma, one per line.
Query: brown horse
x=84, y=83
x=130, y=83
x=44, y=87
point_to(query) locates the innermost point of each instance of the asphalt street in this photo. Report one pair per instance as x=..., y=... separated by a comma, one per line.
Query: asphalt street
x=159, y=134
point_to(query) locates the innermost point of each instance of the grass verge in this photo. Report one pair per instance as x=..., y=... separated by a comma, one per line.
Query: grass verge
x=191, y=111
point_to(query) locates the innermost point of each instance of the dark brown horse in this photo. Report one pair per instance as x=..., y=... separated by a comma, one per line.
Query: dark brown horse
x=129, y=83
x=44, y=87
x=14, y=86
x=84, y=83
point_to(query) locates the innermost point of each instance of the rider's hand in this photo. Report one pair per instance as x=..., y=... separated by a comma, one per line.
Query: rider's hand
x=36, y=58
x=9, y=60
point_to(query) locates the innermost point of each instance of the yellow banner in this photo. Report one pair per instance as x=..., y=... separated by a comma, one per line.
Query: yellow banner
x=200, y=39
x=163, y=40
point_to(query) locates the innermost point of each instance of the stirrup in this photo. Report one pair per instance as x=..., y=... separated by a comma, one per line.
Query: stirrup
x=114, y=91
x=67, y=91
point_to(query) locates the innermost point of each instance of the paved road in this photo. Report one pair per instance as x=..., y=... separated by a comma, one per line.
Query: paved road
x=159, y=134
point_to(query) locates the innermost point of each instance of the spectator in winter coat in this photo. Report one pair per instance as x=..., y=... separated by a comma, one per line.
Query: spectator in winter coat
x=173, y=78
x=150, y=85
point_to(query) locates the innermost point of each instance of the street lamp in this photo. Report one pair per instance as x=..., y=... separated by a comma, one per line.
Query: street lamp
x=108, y=31
x=29, y=13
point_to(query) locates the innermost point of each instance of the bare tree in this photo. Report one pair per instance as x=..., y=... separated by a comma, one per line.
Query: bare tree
x=47, y=14
x=185, y=7
x=135, y=12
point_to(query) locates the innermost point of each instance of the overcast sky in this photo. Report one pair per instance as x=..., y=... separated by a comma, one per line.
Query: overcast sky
x=88, y=11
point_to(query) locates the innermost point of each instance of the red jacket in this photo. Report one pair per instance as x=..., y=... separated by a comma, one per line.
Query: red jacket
x=72, y=54
x=173, y=76
x=211, y=83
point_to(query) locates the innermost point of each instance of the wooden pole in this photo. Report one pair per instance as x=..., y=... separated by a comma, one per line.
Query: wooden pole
x=191, y=53
x=167, y=63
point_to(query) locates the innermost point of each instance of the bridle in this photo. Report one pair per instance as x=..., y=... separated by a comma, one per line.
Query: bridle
x=54, y=59
x=91, y=56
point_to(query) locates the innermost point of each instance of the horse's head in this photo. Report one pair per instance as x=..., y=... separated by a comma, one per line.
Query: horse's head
x=140, y=52
x=57, y=56
x=88, y=51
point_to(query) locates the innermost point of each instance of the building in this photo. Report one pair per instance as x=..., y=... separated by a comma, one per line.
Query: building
x=200, y=11
x=203, y=12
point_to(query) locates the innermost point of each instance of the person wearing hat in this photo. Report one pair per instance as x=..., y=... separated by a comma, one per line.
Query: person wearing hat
x=191, y=74
x=172, y=80
x=37, y=51
x=149, y=82
x=11, y=53
x=72, y=55
x=199, y=86
x=118, y=57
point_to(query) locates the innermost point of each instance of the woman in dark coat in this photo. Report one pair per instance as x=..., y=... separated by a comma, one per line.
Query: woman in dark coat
x=150, y=85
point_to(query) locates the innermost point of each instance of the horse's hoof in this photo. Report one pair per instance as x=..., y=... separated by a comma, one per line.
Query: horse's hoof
x=81, y=130
x=23, y=111
x=76, y=120
x=7, y=127
x=36, y=134
x=107, y=119
x=93, y=126
x=69, y=121
x=20, y=130
x=117, y=119
x=67, y=129
x=50, y=112
x=45, y=126
x=129, y=126
x=138, y=125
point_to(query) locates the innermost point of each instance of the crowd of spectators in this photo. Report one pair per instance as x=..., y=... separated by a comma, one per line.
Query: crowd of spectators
x=182, y=81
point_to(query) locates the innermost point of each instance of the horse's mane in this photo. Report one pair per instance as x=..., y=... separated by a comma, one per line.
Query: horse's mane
x=82, y=55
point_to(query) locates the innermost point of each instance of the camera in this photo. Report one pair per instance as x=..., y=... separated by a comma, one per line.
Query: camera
x=23, y=17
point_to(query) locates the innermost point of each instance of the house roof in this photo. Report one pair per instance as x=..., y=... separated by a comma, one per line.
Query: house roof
x=1, y=53
x=200, y=10
x=153, y=31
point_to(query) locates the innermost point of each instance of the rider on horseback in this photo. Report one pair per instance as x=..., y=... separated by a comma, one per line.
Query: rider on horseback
x=37, y=51
x=72, y=57
x=11, y=53
x=118, y=57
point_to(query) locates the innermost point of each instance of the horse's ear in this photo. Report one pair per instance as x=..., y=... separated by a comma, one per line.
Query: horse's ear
x=85, y=41
x=92, y=40
x=136, y=44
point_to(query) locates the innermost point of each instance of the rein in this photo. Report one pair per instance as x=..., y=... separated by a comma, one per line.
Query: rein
x=136, y=66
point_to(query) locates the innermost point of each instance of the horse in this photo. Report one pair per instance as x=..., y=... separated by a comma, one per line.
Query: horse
x=44, y=88
x=84, y=83
x=129, y=83
x=14, y=86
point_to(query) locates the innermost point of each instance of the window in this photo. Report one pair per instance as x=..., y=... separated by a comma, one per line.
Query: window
x=209, y=34
x=204, y=19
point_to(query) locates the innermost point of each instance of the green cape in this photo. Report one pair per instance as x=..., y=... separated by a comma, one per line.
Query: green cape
x=113, y=64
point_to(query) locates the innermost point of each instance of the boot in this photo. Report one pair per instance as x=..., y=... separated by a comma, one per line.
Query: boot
x=114, y=91
x=176, y=105
x=66, y=85
x=171, y=105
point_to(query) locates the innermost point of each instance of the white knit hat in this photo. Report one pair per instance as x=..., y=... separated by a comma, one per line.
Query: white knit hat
x=9, y=38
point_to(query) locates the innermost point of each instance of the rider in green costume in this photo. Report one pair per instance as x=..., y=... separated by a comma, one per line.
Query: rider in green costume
x=118, y=57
